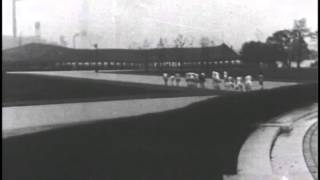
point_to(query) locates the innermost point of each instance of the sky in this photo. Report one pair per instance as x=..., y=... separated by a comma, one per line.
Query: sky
x=124, y=23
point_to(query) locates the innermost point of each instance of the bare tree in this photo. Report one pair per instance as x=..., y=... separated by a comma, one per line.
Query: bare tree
x=63, y=42
x=133, y=45
x=180, y=42
x=205, y=43
x=212, y=43
x=190, y=41
x=161, y=55
x=146, y=44
x=162, y=43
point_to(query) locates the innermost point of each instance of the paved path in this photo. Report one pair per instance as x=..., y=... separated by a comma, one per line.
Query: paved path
x=310, y=150
x=26, y=119
x=145, y=79
x=266, y=155
x=287, y=154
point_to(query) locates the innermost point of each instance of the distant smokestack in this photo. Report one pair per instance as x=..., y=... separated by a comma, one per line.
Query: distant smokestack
x=20, y=39
x=37, y=30
x=14, y=19
x=63, y=42
x=84, y=24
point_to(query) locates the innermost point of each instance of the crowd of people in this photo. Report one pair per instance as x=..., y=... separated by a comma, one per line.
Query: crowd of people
x=226, y=82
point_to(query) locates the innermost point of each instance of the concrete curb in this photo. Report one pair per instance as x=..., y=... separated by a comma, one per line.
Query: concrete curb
x=311, y=163
x=255, y=153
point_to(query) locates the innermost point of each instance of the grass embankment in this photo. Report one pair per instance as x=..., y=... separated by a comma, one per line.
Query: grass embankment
x=19, y=89
x=201, y=141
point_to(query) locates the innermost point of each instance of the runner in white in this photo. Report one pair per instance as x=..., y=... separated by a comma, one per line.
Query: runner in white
x=172, y=78
x=165, y=78
x=178, y=79
x=216, y=80
x=192, y=79
x=261, y=80
x=239, y=86
x=202, y=80
x=248, y=83
x=225, y=76
x=229, y=84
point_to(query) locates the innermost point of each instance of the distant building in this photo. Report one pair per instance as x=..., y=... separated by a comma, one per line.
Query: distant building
x=41, y=56
x=10, y=42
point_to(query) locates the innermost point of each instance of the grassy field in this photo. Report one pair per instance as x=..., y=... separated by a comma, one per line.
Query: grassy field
x=32, y=89
x=201, y=141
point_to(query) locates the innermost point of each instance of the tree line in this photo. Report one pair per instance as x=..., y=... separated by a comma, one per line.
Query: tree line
x=285, y=46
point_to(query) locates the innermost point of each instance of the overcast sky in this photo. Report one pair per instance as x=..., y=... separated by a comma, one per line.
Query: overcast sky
x=119, y=23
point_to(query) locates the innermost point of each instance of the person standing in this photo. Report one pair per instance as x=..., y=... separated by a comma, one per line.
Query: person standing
x=248, y=83
x=229, y=84
x=178, y=79
x=215, y=80
x=239, y=84
x=202, y=80
x=225, y=76
x=165, y=78
x=194, y=80
x=261, y=80
x=172, y=78
x=188, y=79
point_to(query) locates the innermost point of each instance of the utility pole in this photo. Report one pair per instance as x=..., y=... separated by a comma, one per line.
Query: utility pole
x=96, y=56
x=74, y=39
x=14, y=19
x=20, y=40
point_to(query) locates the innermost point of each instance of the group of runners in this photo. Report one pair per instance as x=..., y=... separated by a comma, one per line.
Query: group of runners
x=238, y=83
x=225, y=82
x=173, y=80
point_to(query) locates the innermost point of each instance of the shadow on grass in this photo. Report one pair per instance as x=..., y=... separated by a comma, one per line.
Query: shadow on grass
x=201, y=141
